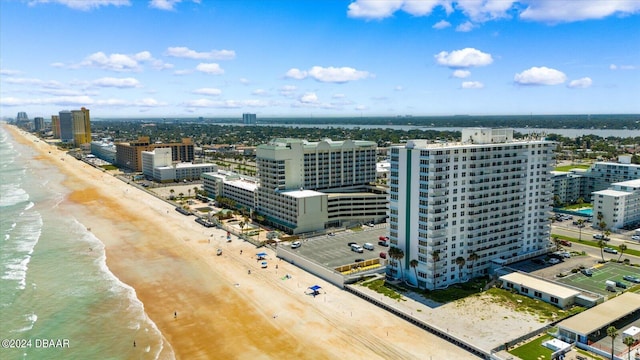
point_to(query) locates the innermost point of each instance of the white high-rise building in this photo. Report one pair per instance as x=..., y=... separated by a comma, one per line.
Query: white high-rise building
x=461, y=208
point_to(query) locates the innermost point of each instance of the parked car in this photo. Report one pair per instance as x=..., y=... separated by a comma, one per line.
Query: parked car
x=621, y=285
x=383, y=243
x=351, y=243
x=610, y=250
x=357, y=248
x=383, y=238
x=587, y=272
x=538, y=261
x=600, y=237
x=632, y=278
x=554, y=261
x=383, y=255
x=635, y=237
x=565, y=243
x=368, y=246
x=296, y=244
x=359, y=260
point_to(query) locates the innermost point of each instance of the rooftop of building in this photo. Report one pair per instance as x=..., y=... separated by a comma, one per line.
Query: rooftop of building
x=635, y=183
x=284, y=142
x=302, y=193
x=611, y=192
x=602, y=315
x=534, y=283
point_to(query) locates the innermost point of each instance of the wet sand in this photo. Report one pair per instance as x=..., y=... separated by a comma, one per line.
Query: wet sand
x=222, y=311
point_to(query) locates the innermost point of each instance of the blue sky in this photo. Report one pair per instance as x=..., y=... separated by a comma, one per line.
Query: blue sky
x=171, y=58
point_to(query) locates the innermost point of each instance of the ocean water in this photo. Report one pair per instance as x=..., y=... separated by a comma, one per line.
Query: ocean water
x=58, y=299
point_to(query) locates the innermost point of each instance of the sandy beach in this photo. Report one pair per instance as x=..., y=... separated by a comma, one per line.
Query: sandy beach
x=223, y=311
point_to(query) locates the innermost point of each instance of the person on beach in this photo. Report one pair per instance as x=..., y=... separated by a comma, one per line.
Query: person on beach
x=134, y=343
x=175, y=315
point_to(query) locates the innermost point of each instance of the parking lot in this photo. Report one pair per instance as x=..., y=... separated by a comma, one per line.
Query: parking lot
x=334, y=251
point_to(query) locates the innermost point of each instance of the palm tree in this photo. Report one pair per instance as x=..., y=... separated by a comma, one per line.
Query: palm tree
x=556, y=241
x=622, y=248
x=414, y=264
x=580, y=224
x=435, y=256
x=629, y=341
x=460, y=262
x=189, y=190
x=396, y=254
x=195, y=190
x=172, y=192
x=473, y=257
x=612, y=332
x=601, y=244
x=241, y=224
x=181, y=195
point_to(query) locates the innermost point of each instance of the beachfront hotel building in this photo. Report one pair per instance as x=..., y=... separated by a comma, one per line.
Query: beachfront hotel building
x=159, y=166
x=582, y=183
x=311, y=186
x=66, y=126
x=461, y=209
x=81, y=127
x=619, y=205
x=104, y=149
x=249, y=119
x=55, y=126
x=129, y=155
x=239, y=188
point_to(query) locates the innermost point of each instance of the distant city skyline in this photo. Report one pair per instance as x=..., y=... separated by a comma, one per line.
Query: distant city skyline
x=192, y=58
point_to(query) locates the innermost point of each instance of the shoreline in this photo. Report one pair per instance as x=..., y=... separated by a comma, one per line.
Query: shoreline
x=222, y=311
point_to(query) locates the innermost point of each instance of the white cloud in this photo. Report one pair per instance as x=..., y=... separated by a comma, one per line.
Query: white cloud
x=361, y=107
x=465, y=27
x=260, y=92
x=337, y=75
x=224, y=104
x=34, y=82
x=442, y=24
x=210, y=68
x=540, y=76
x=621, y=67
x=207, y=91
x=467, y=57
x=148, y=102
x=398, y=88
x=117, y=82
x=461, y=74
x=309, y=98
x=373, y=9
x=56, y=100
x=182, y=72
x=83, y=5
x=581, y=83
x=9, y=72
x=185, y=52
x=168, y=5
x=245, y=81
x=338, y=96
x=554, y=11
x=472, y=85
x=288, y=90
x=295, y=73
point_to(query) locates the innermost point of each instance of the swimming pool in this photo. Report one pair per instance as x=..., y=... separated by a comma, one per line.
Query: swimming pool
x=585, y=212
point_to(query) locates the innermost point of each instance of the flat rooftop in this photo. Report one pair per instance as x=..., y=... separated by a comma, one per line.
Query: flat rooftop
x=531, y=282
x=602, y=315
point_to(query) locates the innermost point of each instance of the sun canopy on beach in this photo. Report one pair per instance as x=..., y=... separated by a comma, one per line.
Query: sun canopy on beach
x=261, y=255
x=315, y=289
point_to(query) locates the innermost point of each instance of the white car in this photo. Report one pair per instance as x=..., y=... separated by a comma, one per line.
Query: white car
x=635, y=237
x=554, y=261
x=296, y=244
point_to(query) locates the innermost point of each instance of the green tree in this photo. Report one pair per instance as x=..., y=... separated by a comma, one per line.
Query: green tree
x=580, y=225
x=189, y=190
x=241, y=224
x=622, y=248
x=473, y=257
x=601, y=244
x=460, y=262
x=397, y=254
x=612, y=332
x=414, y=264
x=629, y=341
x=556, y=241
x=435, y=256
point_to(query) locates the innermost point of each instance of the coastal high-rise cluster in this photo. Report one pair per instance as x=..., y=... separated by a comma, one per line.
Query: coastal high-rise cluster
x=456, y=208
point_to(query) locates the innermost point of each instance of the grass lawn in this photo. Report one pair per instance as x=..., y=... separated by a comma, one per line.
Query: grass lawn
x=456, y=291
x=533, y=350
x=381, y=287
x=544, y=311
